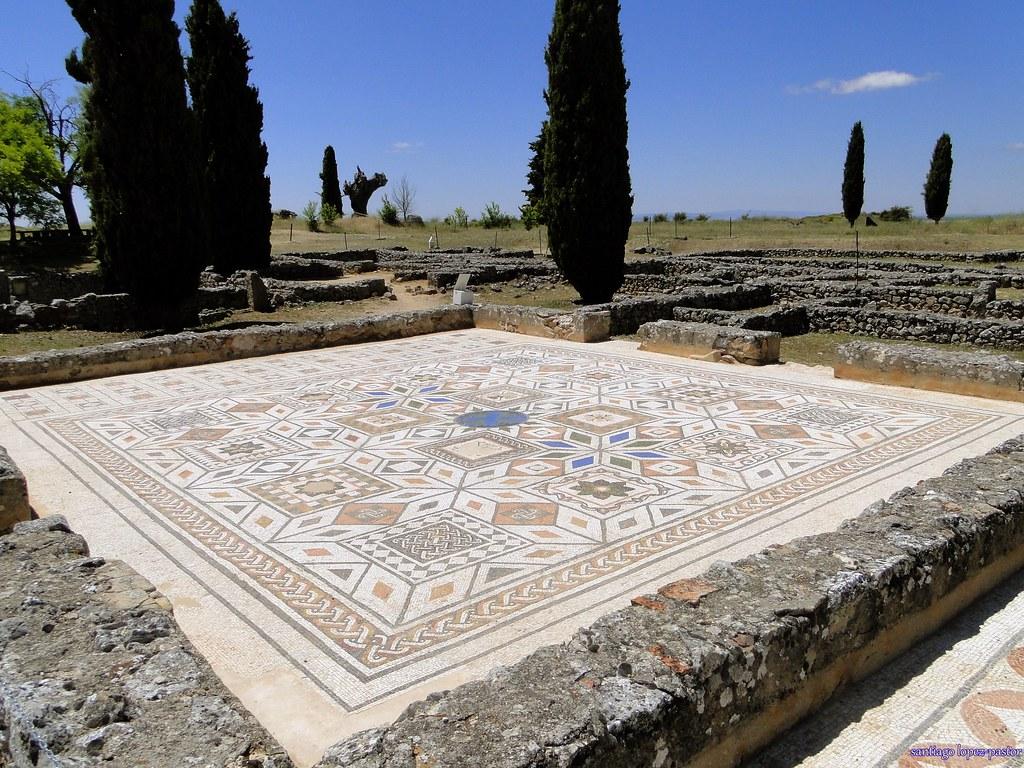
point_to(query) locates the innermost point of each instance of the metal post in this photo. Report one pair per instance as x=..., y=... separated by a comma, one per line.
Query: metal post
x=730, y=227
x=291, y=227
x=346, y=240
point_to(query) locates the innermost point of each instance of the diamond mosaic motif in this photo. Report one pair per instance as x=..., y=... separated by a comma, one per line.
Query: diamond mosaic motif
x=341, y=483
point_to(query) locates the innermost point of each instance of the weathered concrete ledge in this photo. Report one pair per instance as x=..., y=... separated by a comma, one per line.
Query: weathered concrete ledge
x=709, y=669
x=95, y=671
x=980, y=374
x=672, y=337
x=585, y=326
x=190, y=348
x=14, y=506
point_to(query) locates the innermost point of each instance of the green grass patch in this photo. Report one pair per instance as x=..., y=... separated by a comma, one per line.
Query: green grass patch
x=41, y=341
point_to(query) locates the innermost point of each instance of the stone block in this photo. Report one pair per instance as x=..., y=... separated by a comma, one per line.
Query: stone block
x=583, y=325
x=256, y=293
x=14, y=506
x=980, y=374
x=689, y=339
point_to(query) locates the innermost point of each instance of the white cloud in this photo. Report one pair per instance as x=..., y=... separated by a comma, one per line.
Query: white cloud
x=404, y=147
x=872, y=81
x=1017, y=146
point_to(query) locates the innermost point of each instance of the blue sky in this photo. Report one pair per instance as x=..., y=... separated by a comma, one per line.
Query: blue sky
x=736, y=105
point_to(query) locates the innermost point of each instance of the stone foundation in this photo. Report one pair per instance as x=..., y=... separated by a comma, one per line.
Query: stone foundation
x=964, y=373
x=702, y=339
x=709, y=669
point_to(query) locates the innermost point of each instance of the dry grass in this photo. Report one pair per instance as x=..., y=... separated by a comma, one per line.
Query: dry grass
x=954, y=235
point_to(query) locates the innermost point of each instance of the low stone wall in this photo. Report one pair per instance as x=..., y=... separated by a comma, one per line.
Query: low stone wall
x=1005, y=309
x=92, y=312
x=709, y=669
x=95, y=671
x=223, y=297
x=965, y=373
x=361, y=255
x=714, y=341
x=301, y=268
x=289, y=292
x=14, y=506
x=784, y=320
x=43, y=286
x=580, y=326
x=909, y=326
x=186, y=349
x=629, y=314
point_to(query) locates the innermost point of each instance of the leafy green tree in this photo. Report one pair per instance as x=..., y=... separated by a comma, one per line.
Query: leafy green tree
x=328, y=214
x=28, y=166
x=141, y=155
x=60, y=116
x=853, y=175
x=330, y=193
x=494, y=218
x=233, y=156
x=389, y=213
x=311, y=213
x=936, y=186
x=587, y=192
x=533, y=211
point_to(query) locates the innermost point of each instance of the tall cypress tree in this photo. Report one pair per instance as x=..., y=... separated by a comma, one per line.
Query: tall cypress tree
x=140, y=159
x=234, y=157
x=853, y=175
x=936, y=186
x=330, y=193
x=533, y=211
x=587, y=193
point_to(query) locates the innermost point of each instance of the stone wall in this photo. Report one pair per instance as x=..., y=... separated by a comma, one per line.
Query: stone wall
x=708, y=669
x=295, y=292
x=629, y=314
x=43, y=286
x=92, y=312
x=190, y=348
x=95, y=671
x=911, y=326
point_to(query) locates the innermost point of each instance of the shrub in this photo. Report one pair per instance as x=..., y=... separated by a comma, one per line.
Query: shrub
x=702, y=217
x=660, y=218
x=311, y=213
x=679, y=217
x=457, y=219
x=284, y=213
x=328, y=214
x=530, y=216
x=389, y=213
x=895, y=213
x=493, y=218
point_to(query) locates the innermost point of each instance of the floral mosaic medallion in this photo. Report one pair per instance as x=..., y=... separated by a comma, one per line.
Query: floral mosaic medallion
x=398, y=500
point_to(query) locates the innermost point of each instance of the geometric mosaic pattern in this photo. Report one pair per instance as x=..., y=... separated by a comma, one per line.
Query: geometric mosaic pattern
x=342, y=486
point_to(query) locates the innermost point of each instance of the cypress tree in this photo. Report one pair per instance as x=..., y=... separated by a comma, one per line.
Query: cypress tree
x=587, y=194
x=230, y=121
x=853, y=175
x=331, y=187
x=936, y=186
x=140, y=156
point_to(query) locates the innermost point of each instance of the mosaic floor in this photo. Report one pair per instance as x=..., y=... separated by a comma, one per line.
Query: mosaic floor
x=957, y=692
x=377, y=520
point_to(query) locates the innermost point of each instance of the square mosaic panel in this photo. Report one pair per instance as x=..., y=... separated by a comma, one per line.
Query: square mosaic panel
x=341, y=484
